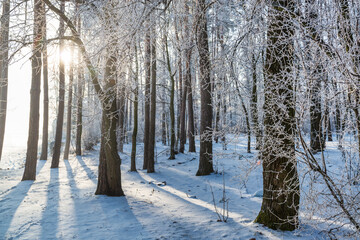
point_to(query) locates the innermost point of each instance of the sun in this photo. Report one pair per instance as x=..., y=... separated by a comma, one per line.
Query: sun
x=66, y=57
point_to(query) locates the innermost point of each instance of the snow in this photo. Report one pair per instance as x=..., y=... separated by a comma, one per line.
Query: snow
x=170, y=204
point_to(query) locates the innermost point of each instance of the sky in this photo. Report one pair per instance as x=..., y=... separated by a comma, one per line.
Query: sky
x=17, y=119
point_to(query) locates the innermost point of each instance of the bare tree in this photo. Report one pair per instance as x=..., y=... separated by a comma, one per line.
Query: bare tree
x=151, y=149
x=80, y=93
x=33, y=137
x=205, y=161
x=45, y=132
x=281, y=195
x=61, y=105
x=69, y=108
x=4, y=66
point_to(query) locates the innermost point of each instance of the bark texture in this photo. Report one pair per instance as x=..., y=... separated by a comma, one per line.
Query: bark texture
x=4, y=66
x=147, y=98
x=281, y=197
x=61, y=106
x=33, y=137
x=151, y=160
x=69, y=111
x=205, y=161
x=45, y=132
x=136, y=103
x=79, y=104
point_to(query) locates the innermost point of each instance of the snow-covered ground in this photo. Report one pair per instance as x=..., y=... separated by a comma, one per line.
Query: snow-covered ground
x=170, y=204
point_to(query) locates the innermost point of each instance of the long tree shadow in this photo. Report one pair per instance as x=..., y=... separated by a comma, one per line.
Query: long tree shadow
x=50, y=215
x=90, y=173
x=111, y=216
x=11, y=201
x=198, y=205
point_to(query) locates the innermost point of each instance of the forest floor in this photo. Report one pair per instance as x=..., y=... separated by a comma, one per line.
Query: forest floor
x=170, y=204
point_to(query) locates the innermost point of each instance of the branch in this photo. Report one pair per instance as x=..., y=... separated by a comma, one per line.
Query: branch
x=76, y=38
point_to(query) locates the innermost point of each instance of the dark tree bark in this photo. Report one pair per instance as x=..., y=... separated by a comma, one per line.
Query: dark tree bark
x=61, y=106
x=179, y=92
x=191, y=124
x=183, y=119
x=109, y=180
x=172, y=107
x=254, y=105
x=205, y=161
x=183, y=92
x=45, y=132
x=79, y=104
x=121, y=122
x=188, y=83
x=248, y=125
x=281, y=197
x=315, y=73
x=136, y=103
x=147, y=98
x=163, y=121
x=316, y=132
x=151, y=161
x=33, y=137
x=69, y=110
x=4, y=67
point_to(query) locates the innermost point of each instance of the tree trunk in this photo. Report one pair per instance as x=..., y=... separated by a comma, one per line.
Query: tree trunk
x=4, y=68
x=69, y=110
x=205, y=161
x=33, y=137
x=45, y=133
x=172, y=107
x=109, y=179
x=191, y=126
x=121, y=123
x=182, y=119
x=179, y=91
x=281, y=197
x=316, y=132
x=61, y=106
x=136, y=102
x=147, y=98
x=80, y=95
x=254, y=105
x=163, y=122
x=151, y=161
x=188, y=83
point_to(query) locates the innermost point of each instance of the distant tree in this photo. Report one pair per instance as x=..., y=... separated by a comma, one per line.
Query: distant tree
x=33, y=137
x=152, y=137
x=80, y=96
x=136, y=103
x=147, y=66
x=172, y=102
x=45, y=132
x=122, y=112
x=188, y=80
x=61, y=105
x=4, y=66
x=69, y=108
